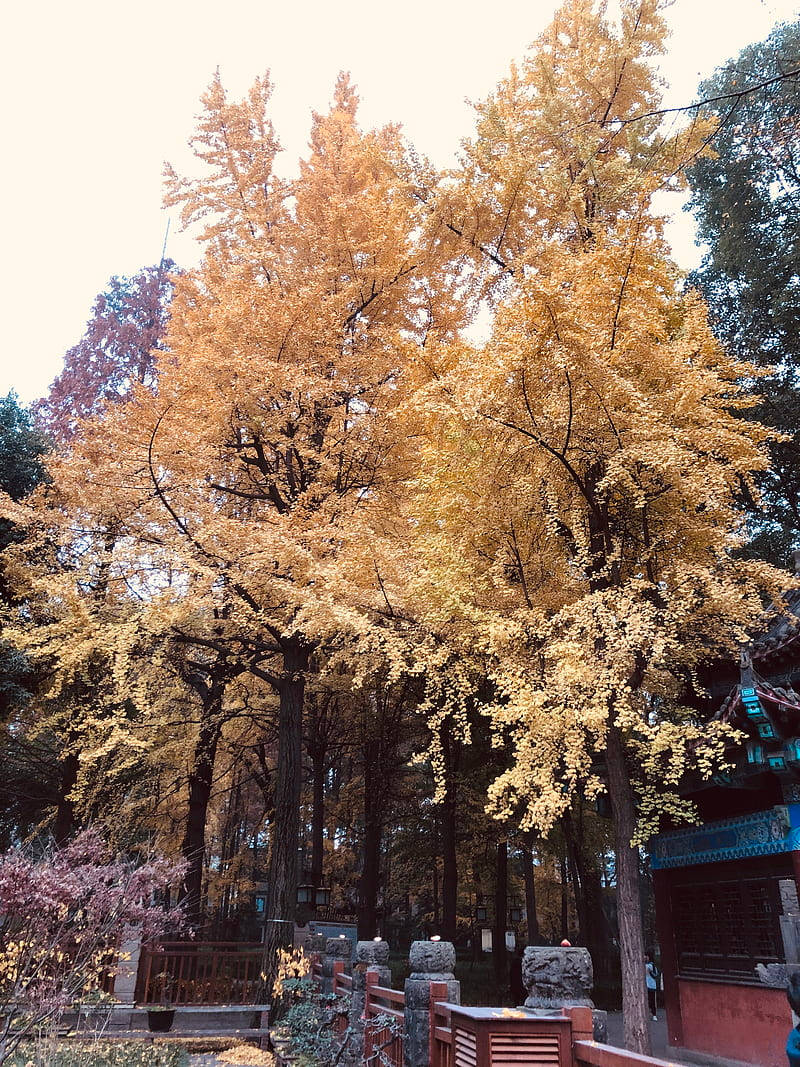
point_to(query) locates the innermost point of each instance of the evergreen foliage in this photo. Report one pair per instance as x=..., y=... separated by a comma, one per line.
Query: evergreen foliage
x=746, y=199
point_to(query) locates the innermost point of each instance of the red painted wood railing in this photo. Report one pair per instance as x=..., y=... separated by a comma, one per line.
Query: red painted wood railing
x=441, y=1033
x=380, y=1001
x=499, y=1037
x=316, y=970
x=482, y=1037
x=342, y=982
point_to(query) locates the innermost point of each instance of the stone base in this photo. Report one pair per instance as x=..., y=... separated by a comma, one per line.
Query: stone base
x=600, y=1025
x=546, y=1006
x=599, y=1017
x=417, y=1012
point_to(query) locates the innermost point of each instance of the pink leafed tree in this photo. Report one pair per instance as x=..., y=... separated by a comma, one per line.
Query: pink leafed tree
x=118, y=349
x=63, y=915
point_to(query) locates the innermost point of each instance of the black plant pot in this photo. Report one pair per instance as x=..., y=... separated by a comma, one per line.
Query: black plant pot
x=160, y=1022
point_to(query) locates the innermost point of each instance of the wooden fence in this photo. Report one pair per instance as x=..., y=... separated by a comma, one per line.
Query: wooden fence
x=200, y=973
x=342, y=984
x=504, y=1037
x=484, y=1037
x=441, y=1032
x=384, y=1022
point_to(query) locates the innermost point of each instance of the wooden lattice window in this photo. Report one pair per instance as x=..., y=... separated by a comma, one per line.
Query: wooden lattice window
x=723, y=929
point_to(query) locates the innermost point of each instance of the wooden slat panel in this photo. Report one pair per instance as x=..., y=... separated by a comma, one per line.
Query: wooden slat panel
x=465, y=1051
x=505, y=1050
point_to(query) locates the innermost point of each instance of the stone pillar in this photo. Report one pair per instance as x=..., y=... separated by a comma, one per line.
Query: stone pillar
x=431, y=961
x=336, y=948
x=370, y=956
x=127, y=971
x=558, y=978
x=125, y=980
x=317, y=943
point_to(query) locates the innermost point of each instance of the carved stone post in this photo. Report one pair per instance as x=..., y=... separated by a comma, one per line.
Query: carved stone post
x=316, y=945
x=431, y=961
x=558, y=978
x=370, y=956
x=336, y=948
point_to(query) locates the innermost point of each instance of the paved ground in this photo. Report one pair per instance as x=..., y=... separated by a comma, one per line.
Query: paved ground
x=658, y=1036
x=658, y=1032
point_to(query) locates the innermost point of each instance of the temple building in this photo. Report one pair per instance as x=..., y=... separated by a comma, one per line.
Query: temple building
x=727, y=889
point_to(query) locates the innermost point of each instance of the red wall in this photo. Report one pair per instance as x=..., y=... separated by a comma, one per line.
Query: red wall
x=741, y=1022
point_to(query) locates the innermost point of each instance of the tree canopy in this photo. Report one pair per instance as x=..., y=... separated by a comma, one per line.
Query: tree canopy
x=328, y=584
x=746, y=199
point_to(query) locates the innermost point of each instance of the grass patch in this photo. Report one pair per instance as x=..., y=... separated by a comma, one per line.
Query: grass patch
x=98, y=1054
x=203, y=1044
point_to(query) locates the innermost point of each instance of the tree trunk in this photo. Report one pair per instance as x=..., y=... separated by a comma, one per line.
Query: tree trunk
x=562, y=863
x=575, y=863
x=500, y=915
x=534, y=937
x=65, y=821
x=629, y=903
x=282, y=882
x=193, y=846
x=435, y=873
x=370, y=880
x=599, y=941
x=449, y=859
x=317, y=817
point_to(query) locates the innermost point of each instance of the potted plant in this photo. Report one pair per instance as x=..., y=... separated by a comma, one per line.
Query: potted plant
x=161, y=1015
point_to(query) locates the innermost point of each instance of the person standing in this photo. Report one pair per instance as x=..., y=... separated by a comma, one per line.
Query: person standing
x=651, y=975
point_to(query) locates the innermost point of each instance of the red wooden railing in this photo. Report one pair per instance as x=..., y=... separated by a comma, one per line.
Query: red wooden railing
x=342, y=983
x=481, y=1037
x=379, y=1037
x=441, y=1032
x=200, y=973
x=589, y=1054
x=499, y=1037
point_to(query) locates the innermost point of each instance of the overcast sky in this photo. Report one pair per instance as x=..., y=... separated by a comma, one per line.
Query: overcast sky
x=98, y=94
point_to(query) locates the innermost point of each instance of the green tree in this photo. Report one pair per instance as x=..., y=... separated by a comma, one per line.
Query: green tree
x=746, y=200
x=22, y=451
x=22, y=468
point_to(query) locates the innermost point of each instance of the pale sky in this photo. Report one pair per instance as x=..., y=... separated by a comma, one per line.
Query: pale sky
x=98, y=94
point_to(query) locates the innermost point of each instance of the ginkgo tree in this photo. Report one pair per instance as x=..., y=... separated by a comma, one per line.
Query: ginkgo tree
x=319, y=467
x=245, y=475
x=574, y=514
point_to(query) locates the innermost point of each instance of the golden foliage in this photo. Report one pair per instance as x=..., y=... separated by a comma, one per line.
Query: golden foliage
x=550, y=514
x=575, y=511
x=246, y=1056
x=292, y=965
